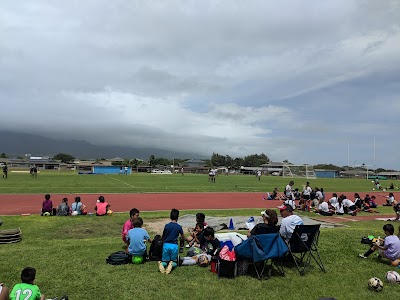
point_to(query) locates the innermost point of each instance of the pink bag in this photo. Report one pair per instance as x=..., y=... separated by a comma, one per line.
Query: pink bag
x=225, y=254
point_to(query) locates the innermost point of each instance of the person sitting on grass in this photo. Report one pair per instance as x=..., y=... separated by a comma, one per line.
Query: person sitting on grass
x=196, y=237
x=4, y=292
x=76, y=207
x=63, y=208
x=273, y=196
x=101, y=207
x=171, y=232
x=137, y=238
x=47, y=205
x=338, y=207
x=358, y=201
x=390, y=201
x=128, y=225
x=26, y=289
x=396, y=208
x=269, y=224
x=348, y=206
x=332, y=202
x=211, y=250
x=388, y=248
x=323, y=208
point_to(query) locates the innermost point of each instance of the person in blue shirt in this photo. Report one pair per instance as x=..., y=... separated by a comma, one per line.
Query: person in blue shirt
x=170, y=251
x=137, y=238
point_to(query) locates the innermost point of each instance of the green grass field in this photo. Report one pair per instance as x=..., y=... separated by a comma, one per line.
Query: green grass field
x=69, y=253
x=53, y=182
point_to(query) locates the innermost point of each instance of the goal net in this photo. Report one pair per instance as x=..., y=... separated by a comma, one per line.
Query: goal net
x=305, y=171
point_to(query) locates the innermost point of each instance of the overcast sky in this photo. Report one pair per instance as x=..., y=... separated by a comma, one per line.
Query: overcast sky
x=297, y=80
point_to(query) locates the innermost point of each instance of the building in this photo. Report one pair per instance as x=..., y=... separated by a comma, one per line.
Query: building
x=324, y=173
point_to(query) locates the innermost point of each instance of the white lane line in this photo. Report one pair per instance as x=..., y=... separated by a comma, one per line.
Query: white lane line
x=121, y=181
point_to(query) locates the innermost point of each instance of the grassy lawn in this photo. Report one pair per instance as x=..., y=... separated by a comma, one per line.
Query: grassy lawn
x=54, y=182
x=69, y=255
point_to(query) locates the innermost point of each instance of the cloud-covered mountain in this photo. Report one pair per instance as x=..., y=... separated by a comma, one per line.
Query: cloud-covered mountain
x=17, y=143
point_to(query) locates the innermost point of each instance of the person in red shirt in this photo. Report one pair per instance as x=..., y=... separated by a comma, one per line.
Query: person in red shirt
x=101, y=207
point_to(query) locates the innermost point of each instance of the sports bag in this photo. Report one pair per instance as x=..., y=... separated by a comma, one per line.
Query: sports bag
x=119, y=258
x=155, y=252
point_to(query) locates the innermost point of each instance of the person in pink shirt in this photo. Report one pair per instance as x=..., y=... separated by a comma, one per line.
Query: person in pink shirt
x=101, y=207
x=128, y=225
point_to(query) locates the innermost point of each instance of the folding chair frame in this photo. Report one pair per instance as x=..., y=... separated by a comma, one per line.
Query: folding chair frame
x=277, y=262
x=303, y=251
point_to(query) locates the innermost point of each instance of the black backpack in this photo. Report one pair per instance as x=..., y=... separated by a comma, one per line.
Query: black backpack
x=155, y=252
x=119, y=258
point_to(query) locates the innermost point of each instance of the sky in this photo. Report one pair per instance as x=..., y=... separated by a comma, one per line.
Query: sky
x=305, y=81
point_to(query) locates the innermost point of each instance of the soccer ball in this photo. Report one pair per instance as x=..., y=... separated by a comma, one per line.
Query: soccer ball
x=373, y=189
x=375, y=284
x=137, y=260
x=74, y=213
x=392, y=277
x=109, y=212
x=384, y=190
x=46, y=214
x=203, y=261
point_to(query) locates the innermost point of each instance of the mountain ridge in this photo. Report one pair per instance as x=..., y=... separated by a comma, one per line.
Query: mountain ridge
x=20, y=143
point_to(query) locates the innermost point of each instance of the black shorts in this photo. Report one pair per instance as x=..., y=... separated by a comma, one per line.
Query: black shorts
x=306, y=197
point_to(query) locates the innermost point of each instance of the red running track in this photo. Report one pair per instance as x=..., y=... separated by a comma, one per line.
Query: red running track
x=15, y=204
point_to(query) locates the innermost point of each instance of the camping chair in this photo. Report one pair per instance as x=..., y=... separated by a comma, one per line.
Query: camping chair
x=303, y=246
x=261, y=248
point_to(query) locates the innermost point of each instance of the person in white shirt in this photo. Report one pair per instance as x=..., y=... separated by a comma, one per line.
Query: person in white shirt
x=323, y=208
x=348, y=205
x=288, y=188
x=306, y=196
x=258, y=175
x=332, y=202
x=389, y=200
x=289, y=222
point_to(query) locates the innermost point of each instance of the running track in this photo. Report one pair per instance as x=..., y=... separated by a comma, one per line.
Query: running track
x=15, y=204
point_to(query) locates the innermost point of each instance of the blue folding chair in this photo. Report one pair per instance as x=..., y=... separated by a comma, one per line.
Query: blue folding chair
x=261, y=248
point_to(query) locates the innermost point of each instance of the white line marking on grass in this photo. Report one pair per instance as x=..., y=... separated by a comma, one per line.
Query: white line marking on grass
x=120, y=181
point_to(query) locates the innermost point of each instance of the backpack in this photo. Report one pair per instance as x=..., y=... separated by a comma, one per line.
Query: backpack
x=155, y=252
x=119, y=258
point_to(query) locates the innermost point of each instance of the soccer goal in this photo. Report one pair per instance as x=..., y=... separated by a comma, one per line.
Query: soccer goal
x=304, y=171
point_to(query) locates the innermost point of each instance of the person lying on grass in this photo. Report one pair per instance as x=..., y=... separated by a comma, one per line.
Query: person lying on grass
x=388, y=248
x=210, y=251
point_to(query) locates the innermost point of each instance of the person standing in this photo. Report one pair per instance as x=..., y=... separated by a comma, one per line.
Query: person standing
x=5, y=171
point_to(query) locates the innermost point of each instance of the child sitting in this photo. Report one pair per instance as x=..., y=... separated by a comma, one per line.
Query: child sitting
x=171, y=232
x=26, y=289
x=389, y=200
x=128, y=225
x=323, y=208
x=211, y=250
x=137, y=238
x=388, y=248
x=196, y=236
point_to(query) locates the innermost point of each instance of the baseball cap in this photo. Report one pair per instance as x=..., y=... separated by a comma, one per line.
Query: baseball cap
x=285, y=207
